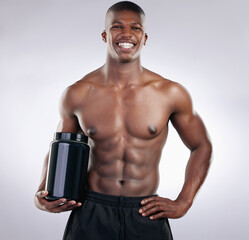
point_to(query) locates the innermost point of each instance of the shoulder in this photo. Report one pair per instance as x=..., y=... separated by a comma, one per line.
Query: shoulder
x=175, y=93
x=81, y=87
x=166, y=85
x=76, y=93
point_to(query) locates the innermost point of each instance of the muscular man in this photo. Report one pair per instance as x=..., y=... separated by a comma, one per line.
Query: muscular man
x=125, y=109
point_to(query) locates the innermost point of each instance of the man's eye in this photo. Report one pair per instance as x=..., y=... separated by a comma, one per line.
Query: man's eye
x=136, y=28
x=116, y=27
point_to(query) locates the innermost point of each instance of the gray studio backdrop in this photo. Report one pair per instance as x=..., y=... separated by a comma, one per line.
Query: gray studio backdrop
x=203, y=44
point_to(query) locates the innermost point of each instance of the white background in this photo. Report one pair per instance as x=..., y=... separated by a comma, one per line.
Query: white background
x=203, y=44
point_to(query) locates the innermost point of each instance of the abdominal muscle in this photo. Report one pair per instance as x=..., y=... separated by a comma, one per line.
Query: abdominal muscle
x=126, y=177
x=126, y=166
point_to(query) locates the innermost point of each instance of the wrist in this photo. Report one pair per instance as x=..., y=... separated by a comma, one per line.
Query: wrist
x=186, y=201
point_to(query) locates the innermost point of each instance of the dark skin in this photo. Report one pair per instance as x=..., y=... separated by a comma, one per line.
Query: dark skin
x=124, y=109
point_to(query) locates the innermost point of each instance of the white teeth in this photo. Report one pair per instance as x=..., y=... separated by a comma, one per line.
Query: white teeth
x=125, y=45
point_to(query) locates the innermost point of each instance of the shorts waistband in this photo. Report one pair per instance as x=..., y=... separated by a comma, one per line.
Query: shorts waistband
x=115, y=201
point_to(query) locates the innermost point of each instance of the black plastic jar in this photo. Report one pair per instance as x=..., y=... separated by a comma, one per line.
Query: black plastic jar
x=67, y=166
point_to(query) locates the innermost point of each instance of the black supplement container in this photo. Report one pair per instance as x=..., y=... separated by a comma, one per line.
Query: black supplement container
x=67, y=166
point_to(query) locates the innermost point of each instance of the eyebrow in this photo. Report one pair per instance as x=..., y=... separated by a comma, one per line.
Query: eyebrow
x=116, y=22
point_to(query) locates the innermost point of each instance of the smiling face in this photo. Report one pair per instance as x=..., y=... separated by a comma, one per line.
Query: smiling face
x=124, y=35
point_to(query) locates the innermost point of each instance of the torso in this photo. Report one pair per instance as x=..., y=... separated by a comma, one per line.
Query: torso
x=128, y=128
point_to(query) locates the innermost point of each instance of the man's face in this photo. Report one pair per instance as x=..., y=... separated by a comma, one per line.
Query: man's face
x=124, y=35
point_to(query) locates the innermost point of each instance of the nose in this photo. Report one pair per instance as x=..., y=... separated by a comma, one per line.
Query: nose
x=126, y=32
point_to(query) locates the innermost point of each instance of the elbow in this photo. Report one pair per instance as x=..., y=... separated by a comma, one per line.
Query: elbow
x=208, y=150
x=205, y=149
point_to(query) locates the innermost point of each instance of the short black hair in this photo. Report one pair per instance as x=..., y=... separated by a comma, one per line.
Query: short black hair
x=126, y=5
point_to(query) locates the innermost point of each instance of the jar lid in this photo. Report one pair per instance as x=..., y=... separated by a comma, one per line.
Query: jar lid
x=71, y=136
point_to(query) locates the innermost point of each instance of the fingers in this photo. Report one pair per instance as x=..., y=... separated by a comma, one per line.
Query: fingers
x=151, y=205
x=157, y=216
x=152, y=210
x=54, y=206
x=57, y=206
x=147, y=200
x=62, y=205
x=158, y=207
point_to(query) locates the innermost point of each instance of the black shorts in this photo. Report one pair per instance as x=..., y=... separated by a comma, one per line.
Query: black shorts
x=106, y=217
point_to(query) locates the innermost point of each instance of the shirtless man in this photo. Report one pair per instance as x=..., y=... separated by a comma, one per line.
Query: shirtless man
x=124, y=109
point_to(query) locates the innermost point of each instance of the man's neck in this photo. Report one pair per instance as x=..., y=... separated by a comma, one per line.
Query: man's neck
x=123, y=74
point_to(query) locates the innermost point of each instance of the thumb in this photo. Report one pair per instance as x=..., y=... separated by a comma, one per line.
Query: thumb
x=42, y=194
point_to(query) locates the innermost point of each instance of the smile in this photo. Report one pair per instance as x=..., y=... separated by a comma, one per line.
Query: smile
x=126, y=45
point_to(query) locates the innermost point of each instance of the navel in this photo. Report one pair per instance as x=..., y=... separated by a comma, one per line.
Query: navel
x=92, y=131
x=122, y=182
x=152, y=130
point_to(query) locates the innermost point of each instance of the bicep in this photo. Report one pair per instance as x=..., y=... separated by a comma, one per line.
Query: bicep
x=69, y=124
x=190, y=128
x=69, y=121
x=186, y=121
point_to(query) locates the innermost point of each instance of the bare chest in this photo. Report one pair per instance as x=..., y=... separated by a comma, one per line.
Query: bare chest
x=134, y=112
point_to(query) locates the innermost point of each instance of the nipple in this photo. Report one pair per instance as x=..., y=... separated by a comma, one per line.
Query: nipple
x=92, y=131
x=152, y=129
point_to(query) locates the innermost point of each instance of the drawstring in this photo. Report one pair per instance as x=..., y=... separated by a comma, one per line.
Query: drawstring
x=122, y=218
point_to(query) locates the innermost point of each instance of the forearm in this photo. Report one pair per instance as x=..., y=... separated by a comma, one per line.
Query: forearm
x=42, y=182
x=196, y=172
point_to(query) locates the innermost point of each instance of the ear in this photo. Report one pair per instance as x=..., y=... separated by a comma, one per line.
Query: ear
x=145, y=38
x=103, y=34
